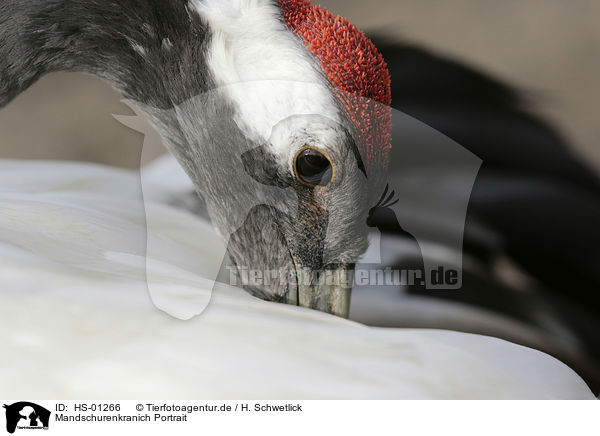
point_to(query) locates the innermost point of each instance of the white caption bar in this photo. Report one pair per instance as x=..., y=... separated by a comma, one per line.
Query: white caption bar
x=301, y=417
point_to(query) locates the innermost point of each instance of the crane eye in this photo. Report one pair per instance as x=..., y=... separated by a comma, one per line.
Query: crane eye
x=313, y=167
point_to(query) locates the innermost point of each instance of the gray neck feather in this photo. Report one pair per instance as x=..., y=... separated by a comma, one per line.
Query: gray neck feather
x=150, y=50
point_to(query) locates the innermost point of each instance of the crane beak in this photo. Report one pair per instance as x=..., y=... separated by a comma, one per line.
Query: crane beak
x=330, y=292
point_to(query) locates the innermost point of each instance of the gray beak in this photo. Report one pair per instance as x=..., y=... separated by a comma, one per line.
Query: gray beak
x=327, y=291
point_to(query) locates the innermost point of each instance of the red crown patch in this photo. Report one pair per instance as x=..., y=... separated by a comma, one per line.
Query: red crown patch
x=354, y=67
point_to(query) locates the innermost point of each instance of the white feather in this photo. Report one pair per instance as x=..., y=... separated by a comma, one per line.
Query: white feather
x=77, y=322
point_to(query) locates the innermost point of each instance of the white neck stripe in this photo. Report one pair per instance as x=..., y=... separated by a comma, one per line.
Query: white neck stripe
x=268, y=72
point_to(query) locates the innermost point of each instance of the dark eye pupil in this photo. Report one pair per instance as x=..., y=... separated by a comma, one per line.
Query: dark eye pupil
x=313, y=168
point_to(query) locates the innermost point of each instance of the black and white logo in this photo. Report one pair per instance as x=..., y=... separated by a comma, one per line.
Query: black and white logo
x=26, y=416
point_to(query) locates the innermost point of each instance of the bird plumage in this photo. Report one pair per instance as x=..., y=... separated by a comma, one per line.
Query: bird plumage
x=229, y=86
x=75, y=292
x=530, y=242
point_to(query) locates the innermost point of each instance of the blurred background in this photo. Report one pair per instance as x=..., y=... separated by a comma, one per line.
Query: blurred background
x=515, y=82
